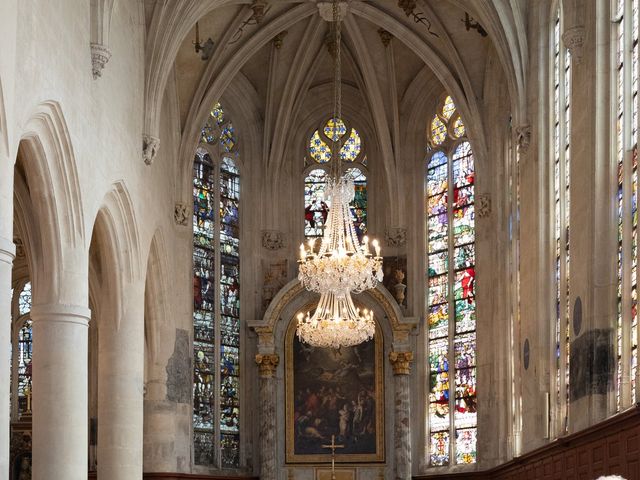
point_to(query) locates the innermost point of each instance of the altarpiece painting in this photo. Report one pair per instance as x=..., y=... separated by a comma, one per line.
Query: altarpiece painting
x=334, y=392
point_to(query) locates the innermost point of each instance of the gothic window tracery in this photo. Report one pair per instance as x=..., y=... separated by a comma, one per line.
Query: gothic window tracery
x=318, y=164
x=625, y=145
x=216, y=295
x=451, y=345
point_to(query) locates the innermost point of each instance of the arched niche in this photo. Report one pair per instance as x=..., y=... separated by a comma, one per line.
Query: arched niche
x=275, y=329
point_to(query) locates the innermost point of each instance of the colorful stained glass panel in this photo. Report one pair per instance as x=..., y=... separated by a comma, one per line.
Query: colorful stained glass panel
x=466, y=442
x=439, y=448
x=318, y=149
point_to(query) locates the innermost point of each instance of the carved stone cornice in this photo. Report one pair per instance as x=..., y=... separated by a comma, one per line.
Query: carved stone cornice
x=267, y=364
x=150, y=145
x=273, y=239
x=401, y=362
x=100, y=55
x=573, y=39
x=181, y=214
x=523, y=138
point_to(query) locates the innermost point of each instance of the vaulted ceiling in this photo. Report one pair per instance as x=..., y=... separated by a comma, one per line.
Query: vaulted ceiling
x=431, y=51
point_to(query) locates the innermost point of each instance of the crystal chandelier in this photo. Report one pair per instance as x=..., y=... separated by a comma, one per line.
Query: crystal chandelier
x=342, y=263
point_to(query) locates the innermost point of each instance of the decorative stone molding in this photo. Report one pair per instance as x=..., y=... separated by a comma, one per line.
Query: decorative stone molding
x=523, y=138
x=385, y=37
x=278, y=40
x=326, y=10
x=573, y=39
x=267, y=364
x=100, y=55
x=181, y=214
x=150, y=146
x=273, y=239
x=483, y=205
x=401, y=362
x=395, y=236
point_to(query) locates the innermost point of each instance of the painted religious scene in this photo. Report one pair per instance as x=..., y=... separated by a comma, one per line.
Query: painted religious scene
x=334, y=393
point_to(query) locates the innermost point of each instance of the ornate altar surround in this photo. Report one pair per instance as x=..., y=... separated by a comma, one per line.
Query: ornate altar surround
x=395, y=347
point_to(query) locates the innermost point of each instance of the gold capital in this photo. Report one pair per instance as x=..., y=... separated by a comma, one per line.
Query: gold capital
x=401, y=362
x=267, y=364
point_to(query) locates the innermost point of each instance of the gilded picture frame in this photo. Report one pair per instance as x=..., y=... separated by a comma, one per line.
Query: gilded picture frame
x=371, y=449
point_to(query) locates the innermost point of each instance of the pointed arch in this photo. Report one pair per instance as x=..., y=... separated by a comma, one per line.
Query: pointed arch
x=47, y=166
x=157, y=307
x=116, y=235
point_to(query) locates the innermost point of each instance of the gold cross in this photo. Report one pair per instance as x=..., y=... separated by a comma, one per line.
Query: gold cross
x=333, y=447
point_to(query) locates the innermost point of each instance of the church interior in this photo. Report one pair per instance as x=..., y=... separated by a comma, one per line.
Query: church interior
x=319, y=239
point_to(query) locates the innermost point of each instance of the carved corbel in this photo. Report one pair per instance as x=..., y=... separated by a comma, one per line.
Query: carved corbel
x=573, y=39
x=483, y=205
x=401, y=362
x=267, y=364
x=278, y=40
x=100, y=55
x=150, y=145
x=385, y=37
x=273, y=239
x=395, y=236
x=181, y=214
x=523, y=138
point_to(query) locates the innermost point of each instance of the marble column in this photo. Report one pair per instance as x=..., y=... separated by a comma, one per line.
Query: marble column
x=60, y=399
x=268, y=451
x=7, y=252
x=120, y=388
x=401, y=363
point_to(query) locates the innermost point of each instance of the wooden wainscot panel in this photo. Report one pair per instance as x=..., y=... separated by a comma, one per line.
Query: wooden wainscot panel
x=611, y=447
x=184, y=476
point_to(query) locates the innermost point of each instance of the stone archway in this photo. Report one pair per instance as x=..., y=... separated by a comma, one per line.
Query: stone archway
x=272, y=333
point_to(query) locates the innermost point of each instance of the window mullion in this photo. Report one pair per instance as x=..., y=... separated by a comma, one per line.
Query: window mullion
x=451, y=302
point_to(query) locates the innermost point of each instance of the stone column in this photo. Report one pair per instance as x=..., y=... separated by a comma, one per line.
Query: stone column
x=60, y=396
x=268, y=451
x=7, y=252
x=401, y=363
x=120, y=388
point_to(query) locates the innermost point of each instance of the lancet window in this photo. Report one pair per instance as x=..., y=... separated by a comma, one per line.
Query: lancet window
x=625, y=92
x=216, y=295
x=317, y=165
x=451, y=305
x=561, y=168
x=22, y=340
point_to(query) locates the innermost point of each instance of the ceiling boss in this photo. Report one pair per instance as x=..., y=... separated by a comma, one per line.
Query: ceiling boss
x=342, y=264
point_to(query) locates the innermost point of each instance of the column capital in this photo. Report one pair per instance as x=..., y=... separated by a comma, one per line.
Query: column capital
x=401, y=362
x=7, y=251
x=267, y=364
x=60, y=313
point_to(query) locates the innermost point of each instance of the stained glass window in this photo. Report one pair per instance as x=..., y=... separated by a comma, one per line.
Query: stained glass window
x=216, y=296
x=23, y=348
x=561, y=162
x=451, y=346
x=625, y=92
x=24, y=299
x=349, y=147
